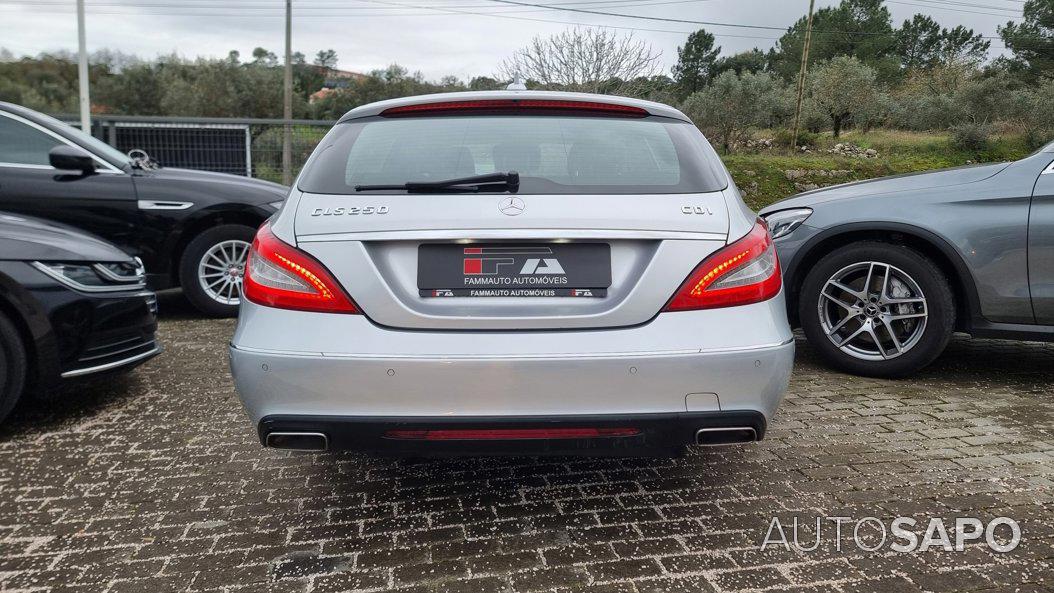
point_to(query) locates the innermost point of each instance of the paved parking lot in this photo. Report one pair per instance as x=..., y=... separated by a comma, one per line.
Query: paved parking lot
x=156, y=483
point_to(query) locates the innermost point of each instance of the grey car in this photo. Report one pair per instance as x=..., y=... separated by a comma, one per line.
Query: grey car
x=880, y=273
x=512, y=271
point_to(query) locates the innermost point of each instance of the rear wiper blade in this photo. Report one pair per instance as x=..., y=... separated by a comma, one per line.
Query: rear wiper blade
x=474, y=183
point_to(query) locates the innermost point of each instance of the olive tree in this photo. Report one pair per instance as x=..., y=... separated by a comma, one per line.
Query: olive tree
x=732, y=105
x=978, y=104
x=1038, y=113
x=841, y=88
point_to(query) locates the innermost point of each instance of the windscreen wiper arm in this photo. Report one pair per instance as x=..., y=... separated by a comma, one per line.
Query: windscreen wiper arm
x=474, y=183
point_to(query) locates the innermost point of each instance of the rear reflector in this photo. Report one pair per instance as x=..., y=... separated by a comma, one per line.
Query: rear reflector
x=513, y=105
x=508, y=434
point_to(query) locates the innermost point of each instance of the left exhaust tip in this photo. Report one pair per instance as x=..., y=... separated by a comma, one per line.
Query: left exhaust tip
x=297, y=441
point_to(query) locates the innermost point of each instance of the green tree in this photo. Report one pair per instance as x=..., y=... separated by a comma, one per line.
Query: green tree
x=1032, y=40
x=963, y=45
x=859, y=28
x=922, y=43
x=388, y=83
x=753, y=60
x=326, y=58
x=1038, y=113
x=262, y=57
x=732, y=105
x=841, y=88
x=918, y=42
x=485, y=83
x=695, y=62
x=137, y=90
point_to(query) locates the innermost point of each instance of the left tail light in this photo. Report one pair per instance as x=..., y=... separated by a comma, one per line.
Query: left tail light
x=745, y=272
x=280, y=275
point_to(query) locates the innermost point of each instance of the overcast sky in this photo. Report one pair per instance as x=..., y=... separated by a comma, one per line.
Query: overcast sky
x=438, y=37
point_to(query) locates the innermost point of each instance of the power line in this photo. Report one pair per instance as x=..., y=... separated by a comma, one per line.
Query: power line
x=324, y=4
x=442, y=11
x=686, y=21
x=453, y=9
x=639, y=16
x=950, y=9
x=302, y=6
x=972, y=5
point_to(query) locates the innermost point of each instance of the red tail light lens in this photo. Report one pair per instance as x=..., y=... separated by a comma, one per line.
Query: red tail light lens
x=280, y=275
x=507, y=434
x=516, y=105
x=747, y=271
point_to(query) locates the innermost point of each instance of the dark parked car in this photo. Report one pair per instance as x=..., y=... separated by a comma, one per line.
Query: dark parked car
x=71, y=306
x=880, y=273
x=190, y=228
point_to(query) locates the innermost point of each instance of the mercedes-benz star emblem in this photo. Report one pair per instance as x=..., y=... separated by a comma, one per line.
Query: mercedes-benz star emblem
x=511, y=206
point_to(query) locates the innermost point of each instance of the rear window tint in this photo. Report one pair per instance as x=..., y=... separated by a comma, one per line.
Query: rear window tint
x=552, y=154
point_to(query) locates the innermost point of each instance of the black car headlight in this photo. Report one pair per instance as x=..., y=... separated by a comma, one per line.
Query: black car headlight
x=95, y=277
x=783, y=222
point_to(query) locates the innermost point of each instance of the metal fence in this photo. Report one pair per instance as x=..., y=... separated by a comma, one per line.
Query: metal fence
x=250, y=147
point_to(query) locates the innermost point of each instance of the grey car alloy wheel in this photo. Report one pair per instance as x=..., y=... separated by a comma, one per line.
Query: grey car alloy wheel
x=221, y=269
x=873, y=311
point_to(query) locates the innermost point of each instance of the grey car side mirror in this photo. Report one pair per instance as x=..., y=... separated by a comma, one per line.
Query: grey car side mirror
x=71, y=158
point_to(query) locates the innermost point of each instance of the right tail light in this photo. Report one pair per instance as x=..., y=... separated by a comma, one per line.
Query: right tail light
x=747, y=271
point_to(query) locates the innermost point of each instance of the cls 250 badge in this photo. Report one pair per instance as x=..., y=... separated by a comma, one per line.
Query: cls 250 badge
x=349, y=211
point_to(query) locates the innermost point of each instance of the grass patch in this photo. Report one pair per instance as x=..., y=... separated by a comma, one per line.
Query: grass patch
x=767, y=176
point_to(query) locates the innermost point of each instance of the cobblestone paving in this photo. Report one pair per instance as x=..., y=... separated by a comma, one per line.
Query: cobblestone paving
x=156, y=483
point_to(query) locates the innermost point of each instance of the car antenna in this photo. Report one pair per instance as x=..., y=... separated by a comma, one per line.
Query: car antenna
x=516, y=84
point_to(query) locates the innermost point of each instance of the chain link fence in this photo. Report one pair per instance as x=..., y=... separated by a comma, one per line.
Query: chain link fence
x=249, y=147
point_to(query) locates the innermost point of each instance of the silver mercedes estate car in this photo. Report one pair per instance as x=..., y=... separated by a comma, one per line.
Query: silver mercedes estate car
x=512, y=272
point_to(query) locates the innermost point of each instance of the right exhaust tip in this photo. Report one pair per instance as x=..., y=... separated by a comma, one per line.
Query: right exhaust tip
x=297, y=441
x=726, y=435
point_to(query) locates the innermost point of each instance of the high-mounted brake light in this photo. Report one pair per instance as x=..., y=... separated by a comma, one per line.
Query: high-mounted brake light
x=747, y=271
x=280, y=275
x=513, y=105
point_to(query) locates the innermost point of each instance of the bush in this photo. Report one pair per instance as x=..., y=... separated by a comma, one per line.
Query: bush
x=784, y=137
x=922, y=113
x=970, y=135
x=1037, y=113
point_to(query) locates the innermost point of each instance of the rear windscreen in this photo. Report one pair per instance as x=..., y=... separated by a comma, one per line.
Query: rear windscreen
x=552, y=154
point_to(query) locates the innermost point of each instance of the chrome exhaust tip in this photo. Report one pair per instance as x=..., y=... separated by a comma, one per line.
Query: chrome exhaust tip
x=725, y=435
x=297, y=441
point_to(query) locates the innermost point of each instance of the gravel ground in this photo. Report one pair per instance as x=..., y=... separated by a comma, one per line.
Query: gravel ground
x=155, y=482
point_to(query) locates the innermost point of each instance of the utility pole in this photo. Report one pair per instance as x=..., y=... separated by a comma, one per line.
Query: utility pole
x=287, y=112
x=82, y=70
x=801, y=74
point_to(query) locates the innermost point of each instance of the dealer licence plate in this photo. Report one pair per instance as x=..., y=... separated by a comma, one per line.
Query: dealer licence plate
x=514, y=270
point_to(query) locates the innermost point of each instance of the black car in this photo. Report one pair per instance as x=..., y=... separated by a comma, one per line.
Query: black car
x=71, y=306
x=190, y=228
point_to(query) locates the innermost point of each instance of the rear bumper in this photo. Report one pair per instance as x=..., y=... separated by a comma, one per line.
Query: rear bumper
x=337, y=370
x=656, y=434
